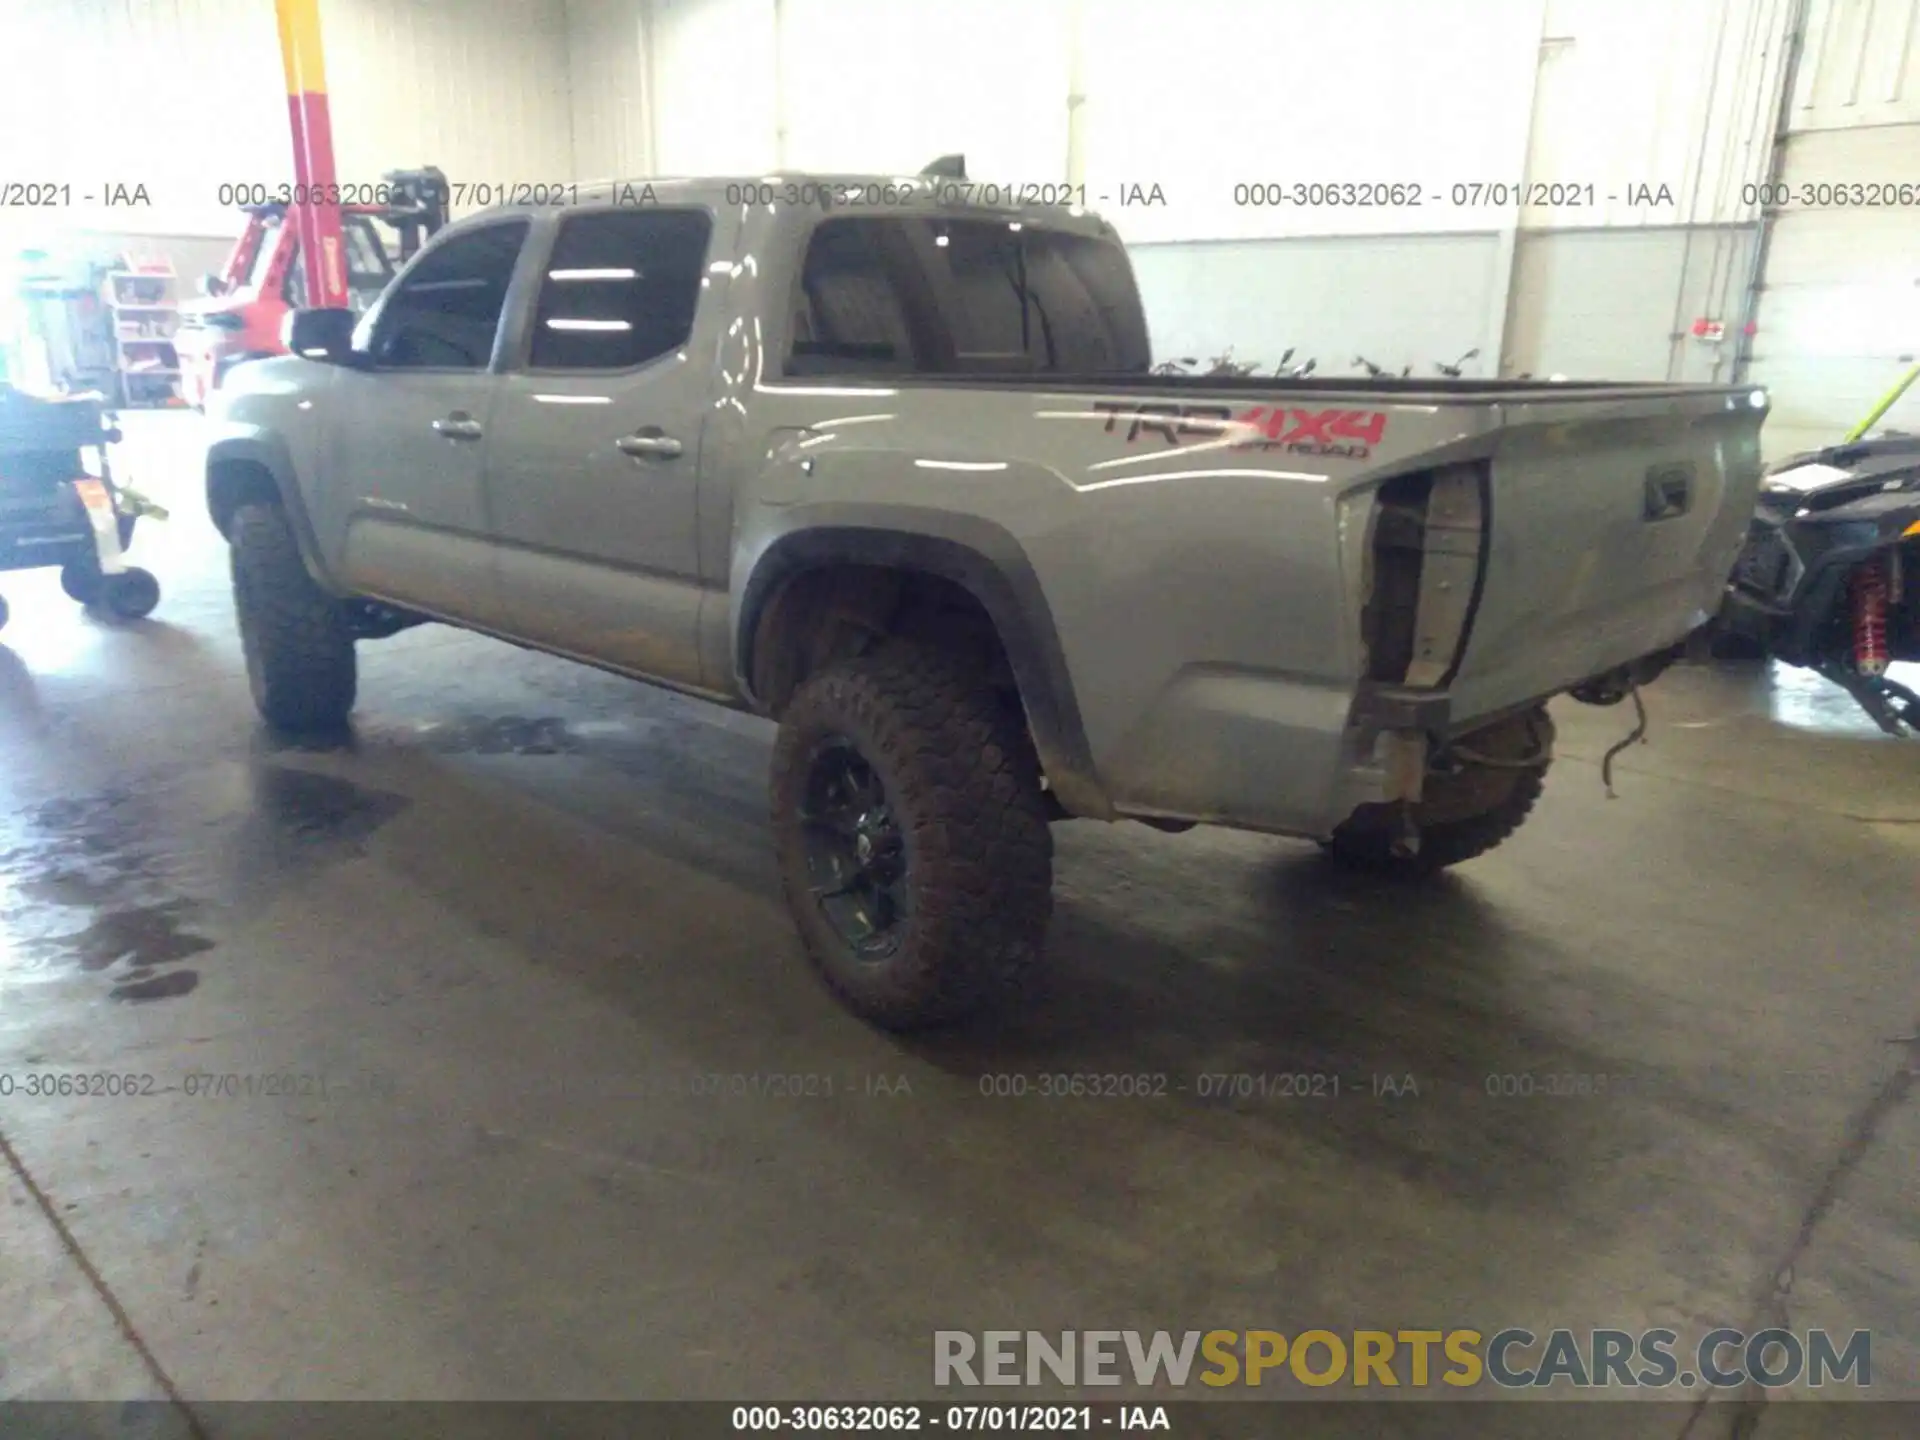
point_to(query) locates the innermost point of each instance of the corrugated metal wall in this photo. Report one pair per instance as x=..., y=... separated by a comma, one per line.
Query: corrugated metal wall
x=1620, y=302
x=477, y=87
x=1655, y=112
x=1639, y=95
x=1839, y=312
x=1331, y=298
x=181, y=96
x=1628, y=97
x=608, y=89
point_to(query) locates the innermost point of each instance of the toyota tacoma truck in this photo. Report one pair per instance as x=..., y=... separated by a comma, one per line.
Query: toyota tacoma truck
x=886, y=462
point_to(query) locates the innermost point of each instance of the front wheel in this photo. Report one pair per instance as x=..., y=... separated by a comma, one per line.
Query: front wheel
x=912, y=838
x=1463, y=812
x=299, y=651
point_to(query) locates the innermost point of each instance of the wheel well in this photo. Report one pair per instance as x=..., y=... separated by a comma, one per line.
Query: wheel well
x=832, y=612
x=233, y=483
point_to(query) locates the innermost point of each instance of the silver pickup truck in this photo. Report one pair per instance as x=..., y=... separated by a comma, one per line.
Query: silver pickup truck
x=888, y=464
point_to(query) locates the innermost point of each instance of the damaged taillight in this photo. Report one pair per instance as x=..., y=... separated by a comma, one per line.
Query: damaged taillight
x=1428, y=541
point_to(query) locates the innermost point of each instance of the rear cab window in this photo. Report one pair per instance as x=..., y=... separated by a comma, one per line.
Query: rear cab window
x=963, y=297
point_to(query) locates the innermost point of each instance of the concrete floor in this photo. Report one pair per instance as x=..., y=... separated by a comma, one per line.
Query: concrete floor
x=509, y=926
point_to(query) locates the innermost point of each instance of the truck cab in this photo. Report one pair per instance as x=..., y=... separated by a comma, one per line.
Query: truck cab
x=263, y=279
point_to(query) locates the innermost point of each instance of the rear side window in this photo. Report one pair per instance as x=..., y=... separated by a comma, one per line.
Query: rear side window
x=965, y=297
x=852, y=312
x=444, y=314
x=620, y=290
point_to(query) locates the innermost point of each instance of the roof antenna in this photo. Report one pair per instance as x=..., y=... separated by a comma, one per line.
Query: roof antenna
x=948, y=167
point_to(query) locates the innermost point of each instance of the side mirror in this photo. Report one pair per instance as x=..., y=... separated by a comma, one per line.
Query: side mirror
x=323, y=335
x=212, y=284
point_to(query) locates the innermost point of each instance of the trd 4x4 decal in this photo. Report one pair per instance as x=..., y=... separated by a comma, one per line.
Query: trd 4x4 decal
x=1338, y=434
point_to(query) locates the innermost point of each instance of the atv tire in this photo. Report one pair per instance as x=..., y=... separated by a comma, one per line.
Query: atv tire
x=130, y=594
x=1460, y=815
x=82, y=580
x=953, y=789
x=299, y=652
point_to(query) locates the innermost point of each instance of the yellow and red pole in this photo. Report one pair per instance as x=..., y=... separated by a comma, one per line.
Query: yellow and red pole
x=315, y=211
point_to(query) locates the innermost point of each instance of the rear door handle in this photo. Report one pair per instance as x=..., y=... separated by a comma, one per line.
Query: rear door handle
x=1668, y=493
x=650, y=441
x=458, y=426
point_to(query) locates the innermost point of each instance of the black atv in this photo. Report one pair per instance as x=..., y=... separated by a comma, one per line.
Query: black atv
x=55, y=511
x=1829, y=578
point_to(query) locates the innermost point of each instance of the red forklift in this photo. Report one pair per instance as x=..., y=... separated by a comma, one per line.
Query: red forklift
x=264, y=276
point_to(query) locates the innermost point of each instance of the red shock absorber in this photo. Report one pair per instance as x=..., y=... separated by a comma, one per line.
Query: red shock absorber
x=1870, y=618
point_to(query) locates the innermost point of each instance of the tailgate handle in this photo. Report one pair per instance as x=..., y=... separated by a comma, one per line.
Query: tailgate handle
x=1669, y=492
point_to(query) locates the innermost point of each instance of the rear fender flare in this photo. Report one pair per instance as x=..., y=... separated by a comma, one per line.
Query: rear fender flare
x=977, y=555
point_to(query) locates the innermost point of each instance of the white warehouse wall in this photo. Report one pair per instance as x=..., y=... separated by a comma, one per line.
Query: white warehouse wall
x=183, y=95
x=887, y=85
x=608, y=89
x=1656, y=93
x=1839, y=313
x=714, y=108
x=1198, y=96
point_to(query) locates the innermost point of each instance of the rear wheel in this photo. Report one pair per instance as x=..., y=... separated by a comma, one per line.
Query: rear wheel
x=1463, y=813
x=912, y=839
x=131, y=594
x=299, y=651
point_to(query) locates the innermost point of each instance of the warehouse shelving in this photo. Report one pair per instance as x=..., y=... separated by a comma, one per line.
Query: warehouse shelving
x=144, y=304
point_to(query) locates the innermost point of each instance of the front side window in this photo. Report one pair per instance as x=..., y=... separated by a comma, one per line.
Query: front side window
x=620, y=290
x=445, y=313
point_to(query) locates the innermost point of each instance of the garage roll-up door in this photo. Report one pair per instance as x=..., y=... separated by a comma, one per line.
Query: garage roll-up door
x=1839, y=309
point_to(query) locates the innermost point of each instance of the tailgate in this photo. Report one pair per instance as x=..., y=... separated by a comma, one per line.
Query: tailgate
x=1614, y=521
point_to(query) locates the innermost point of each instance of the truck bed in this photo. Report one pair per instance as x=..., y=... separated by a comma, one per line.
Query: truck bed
x=1410, y=390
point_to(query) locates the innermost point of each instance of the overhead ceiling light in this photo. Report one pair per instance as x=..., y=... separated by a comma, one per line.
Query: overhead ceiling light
x=559, y=324
x=605, y=273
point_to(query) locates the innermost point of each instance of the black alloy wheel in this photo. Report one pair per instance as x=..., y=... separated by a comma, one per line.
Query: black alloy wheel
x=856, y=852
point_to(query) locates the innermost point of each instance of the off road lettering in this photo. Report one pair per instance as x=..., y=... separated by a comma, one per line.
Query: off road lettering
x=1172, y=423
x=1282, y=426
x=1339, y=434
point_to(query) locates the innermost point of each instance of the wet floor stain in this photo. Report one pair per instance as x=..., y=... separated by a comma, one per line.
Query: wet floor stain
x=160, y=987
x=138, y=936
x=501, y=735
x=87, y=895
x=306, y=806
x=113, y=885
x=244, y=832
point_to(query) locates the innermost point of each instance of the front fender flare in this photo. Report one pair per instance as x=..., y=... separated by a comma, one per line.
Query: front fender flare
x=234, y=462
x=983, y=559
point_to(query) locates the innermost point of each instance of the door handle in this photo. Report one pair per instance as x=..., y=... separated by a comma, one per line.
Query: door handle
x=1668, y=493
x=649, y=441
x=458, y=426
